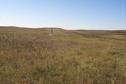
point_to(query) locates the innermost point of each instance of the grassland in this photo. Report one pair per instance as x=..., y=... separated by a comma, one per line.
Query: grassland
x=39, y=56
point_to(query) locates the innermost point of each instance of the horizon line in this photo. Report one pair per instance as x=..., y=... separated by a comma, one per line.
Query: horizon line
x=84, y=28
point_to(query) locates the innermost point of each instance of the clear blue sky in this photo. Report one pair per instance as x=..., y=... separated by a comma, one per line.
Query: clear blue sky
x=71, y=14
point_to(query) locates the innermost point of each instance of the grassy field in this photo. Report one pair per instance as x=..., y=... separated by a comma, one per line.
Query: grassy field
x=39, y=56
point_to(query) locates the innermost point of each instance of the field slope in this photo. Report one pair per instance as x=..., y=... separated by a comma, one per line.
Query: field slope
x=58, y=56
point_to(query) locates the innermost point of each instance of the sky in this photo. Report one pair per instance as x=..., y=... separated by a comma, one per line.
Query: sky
x=67, y=14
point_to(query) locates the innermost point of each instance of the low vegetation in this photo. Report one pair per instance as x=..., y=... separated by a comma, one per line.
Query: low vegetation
x=43, y=56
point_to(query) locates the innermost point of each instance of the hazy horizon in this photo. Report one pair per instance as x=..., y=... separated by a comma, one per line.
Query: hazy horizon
x=72, y=14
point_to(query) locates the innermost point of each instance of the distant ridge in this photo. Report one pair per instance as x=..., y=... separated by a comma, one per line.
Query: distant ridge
x=59, y=28
x=31, y=27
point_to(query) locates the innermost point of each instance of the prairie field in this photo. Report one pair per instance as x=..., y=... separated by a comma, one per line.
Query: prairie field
x=58, y=56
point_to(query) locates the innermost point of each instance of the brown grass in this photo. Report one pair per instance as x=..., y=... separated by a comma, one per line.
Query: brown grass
x=34, y=56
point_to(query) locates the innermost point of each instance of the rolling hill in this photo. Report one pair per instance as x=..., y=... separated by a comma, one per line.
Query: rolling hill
x=58, y=56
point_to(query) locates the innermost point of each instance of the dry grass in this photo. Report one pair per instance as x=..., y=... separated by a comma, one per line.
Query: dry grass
x=35, y=56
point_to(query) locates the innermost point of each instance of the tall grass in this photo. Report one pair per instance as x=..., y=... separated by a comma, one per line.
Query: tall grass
x=33, y=56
